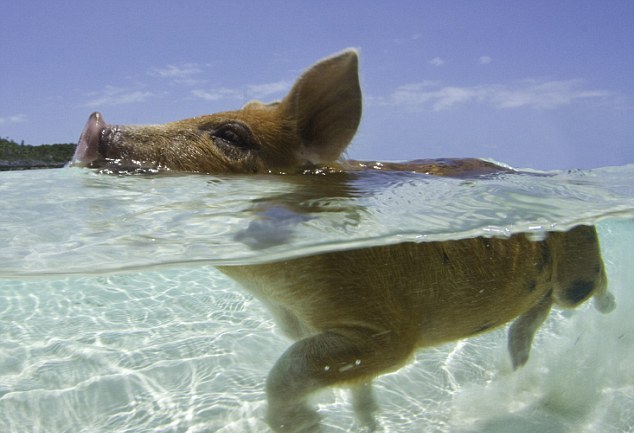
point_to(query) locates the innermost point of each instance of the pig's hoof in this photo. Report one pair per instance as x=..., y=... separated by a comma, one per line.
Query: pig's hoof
x=293, y=420
x=605, y=302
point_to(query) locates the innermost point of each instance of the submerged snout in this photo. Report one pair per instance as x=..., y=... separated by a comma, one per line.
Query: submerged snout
x=87, y=150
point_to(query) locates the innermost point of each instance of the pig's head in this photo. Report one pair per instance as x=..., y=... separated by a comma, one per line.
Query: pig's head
x=313, y=124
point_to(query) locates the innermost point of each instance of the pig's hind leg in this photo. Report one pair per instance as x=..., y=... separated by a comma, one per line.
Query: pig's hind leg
x=523, y=329
x=604, y=301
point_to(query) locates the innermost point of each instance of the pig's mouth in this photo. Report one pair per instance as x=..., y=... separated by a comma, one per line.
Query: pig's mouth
x=95, y=149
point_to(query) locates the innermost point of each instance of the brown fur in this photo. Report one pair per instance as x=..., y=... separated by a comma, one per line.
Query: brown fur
x=359, y=313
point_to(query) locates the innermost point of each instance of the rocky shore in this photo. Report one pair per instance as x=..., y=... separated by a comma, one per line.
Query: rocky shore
x=28, y=164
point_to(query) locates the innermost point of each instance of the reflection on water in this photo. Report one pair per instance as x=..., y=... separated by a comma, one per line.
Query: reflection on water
x=172, y=345
x=80, y=222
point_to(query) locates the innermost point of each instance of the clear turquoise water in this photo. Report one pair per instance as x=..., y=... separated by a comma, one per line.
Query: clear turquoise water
x=113, y=319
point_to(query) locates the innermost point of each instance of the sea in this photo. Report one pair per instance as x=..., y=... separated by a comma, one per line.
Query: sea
x=113, y=317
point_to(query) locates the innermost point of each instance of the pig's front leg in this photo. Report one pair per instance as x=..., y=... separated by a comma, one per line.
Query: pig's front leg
x=333, y=357
x=364, y=405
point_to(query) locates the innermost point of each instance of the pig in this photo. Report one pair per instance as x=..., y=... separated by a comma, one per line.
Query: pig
x=358, y=313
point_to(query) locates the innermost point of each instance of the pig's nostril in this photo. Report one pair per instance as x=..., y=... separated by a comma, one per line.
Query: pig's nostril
x=94, y=126
x=88, y=148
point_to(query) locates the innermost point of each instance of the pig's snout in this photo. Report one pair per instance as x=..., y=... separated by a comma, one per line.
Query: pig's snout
x=88, y=148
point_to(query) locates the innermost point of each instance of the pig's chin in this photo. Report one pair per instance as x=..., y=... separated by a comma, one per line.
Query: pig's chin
x=126, y=166
x=93, y=150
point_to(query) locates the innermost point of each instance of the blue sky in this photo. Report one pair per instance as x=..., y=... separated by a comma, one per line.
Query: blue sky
x=541, y=84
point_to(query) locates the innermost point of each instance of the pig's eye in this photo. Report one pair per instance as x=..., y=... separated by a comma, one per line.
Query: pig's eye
x=233, y=134
x=228, y=135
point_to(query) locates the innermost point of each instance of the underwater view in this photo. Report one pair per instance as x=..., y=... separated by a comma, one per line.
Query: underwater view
x=113, y=317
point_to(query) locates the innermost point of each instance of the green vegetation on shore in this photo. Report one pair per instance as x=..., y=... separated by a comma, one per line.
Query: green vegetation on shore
x=14, y=156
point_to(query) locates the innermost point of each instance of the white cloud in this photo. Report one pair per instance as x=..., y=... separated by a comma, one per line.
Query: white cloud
x=217, y=94
x=267, y=89
x=185, y=70
x=413, y=94
x=413, y=37
x=449, y=96
x=485, y=60
x=544, y=94
x=436, y=61
x=179, y=74
x=251, y=91
x=18, y=118
x=528, y=93
x=112, y=95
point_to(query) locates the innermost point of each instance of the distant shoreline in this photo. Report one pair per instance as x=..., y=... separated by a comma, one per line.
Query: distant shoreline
x=14, y=156
x=29, y=165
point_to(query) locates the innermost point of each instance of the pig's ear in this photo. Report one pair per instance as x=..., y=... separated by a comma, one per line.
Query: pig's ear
x=325, y=102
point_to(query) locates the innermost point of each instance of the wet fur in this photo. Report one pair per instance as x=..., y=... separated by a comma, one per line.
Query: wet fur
x=359, y=313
